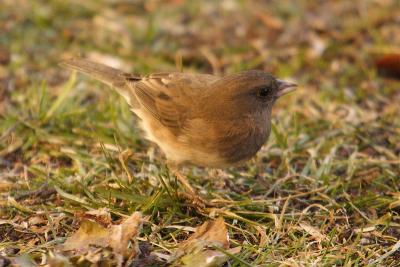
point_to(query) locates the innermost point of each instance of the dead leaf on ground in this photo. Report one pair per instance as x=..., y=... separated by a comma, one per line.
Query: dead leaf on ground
x=121, y=234
x=211, y=232
x=208, y=258
x=198, y=251
x=92, y=234
x=89, y=233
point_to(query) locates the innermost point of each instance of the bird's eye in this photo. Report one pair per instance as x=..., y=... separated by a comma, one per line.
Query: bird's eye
x=263, y=92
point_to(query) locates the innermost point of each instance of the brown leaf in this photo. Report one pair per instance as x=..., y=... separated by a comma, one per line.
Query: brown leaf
x=207, y=258
x=210, y=232
x=89, y=233
x=115, y=237
x=196, y=250
x=121, y=234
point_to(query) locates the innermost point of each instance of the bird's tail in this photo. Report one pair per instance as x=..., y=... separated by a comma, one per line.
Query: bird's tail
x=108, y=75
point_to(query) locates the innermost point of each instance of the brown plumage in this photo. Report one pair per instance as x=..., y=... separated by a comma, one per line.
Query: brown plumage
x=197, y=118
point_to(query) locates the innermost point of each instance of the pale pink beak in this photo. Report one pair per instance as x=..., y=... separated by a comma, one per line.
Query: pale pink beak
x=285, y=87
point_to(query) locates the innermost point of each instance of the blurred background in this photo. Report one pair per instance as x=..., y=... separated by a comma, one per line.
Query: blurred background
x=324, y=43
x=338, y=134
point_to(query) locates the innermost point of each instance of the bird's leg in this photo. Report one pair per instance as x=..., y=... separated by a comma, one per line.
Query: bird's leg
x=190, y=193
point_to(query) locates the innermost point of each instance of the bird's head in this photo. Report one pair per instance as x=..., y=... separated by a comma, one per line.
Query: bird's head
x=252, y=91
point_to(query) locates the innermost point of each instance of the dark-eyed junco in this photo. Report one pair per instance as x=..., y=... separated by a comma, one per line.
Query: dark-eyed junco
x=199, y=119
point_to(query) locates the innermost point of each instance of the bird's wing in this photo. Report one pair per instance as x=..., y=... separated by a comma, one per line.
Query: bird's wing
x=169, y=97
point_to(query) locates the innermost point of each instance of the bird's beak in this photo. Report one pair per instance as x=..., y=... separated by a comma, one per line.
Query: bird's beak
x=285, y=87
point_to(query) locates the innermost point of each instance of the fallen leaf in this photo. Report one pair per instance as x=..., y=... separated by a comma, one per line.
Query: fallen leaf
x=121, y=234
x=204, y=258
x=210, y=232
x=89, y=233
x=197, y=250
x=116, y=237
x=208, y=258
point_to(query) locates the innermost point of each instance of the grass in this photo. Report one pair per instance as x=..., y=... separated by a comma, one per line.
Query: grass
x=323, y=191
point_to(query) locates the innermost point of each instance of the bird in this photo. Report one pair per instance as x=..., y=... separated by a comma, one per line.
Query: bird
x=197, y=119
